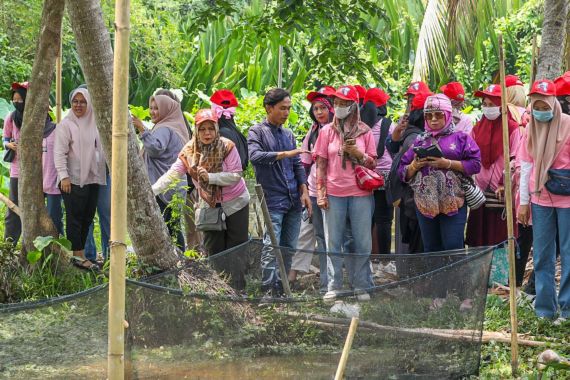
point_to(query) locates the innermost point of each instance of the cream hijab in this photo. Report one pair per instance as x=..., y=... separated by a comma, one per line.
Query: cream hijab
x=546, y=139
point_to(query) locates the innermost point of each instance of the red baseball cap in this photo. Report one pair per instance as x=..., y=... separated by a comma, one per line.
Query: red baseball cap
x=454, y=91
x=322, y=92
x=361, y=91
x=205, y=114
x=417, y=87
x=419, y=100
x=563, y=85
x=513, y=80
x=224, y=98
x=346, y=93
x=376, y=96
x=491, y=90
x=543, y=87
x=17, y=85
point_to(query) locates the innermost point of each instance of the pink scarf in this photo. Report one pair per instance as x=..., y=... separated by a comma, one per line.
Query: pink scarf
x=220, y=111
x=439, y=103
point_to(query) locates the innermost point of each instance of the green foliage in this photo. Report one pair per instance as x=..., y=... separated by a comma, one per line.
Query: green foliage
x=41, y=243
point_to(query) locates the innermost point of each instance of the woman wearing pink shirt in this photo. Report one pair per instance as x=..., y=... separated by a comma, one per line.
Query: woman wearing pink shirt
x=342, y=145
x=486, y=225
x=214, y=164
x=546, y=147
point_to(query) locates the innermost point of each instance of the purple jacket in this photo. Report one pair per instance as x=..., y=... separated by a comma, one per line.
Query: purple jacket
x=456, y=146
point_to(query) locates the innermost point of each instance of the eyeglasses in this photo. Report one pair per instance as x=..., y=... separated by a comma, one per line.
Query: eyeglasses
x=79, y=103
x=430, y=115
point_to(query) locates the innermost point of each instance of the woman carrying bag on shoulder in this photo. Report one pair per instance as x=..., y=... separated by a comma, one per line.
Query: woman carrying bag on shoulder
x=545, y=187
x=214, y=164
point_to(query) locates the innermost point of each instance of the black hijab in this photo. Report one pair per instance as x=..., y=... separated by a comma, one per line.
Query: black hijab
x=229, y=130
x=18, y=114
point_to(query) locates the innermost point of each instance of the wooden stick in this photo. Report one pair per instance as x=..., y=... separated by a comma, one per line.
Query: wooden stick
x=11, y=205
x=446, y=334
x=533, y=63
x=116, y=356
x=280, y=72
x=347, y=345
x=509, y=209
x=58, y=67
x=274, y=242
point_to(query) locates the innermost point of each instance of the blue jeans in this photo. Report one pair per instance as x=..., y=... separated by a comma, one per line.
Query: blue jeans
x=286, y=227
x=355, y=212
x=55, y=211
x=545, y=222
x=104, y=212
x=443, y=233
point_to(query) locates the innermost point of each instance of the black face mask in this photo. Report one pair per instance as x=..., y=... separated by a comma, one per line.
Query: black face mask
x=18, y=106
x=564, y=104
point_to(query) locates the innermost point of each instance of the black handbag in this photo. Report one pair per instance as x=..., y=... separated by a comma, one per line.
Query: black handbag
x=210, y=219
x=9, y=155
x=558, y=181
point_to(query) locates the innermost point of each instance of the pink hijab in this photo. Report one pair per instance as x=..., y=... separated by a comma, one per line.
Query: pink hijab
x=439, y=103
x=171, y=116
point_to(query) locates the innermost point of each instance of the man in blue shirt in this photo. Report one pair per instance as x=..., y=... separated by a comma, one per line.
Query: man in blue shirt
x=278, y=169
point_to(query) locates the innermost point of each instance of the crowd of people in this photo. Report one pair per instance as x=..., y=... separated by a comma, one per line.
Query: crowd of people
x=338, y=192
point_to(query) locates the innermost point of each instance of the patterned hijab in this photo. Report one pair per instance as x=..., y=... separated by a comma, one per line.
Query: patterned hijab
x=350, y=128
x=439, y=103
x=208, y=156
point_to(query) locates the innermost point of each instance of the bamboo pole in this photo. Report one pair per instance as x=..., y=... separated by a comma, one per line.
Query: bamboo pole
x=347, y=345
x=509, y=209
x=533, y=63
x=280, y=73
x=274, y=242
x=117, y=323
x=58, y=68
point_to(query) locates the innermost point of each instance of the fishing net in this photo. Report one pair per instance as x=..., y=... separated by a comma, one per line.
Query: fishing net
x=424, y=319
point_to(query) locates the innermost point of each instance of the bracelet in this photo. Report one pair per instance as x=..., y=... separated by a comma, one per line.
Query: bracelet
x=449, y=166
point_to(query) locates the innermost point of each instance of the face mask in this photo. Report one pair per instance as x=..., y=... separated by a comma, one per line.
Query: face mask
x=491, y=113
x=543, y=116
x=19, y=106
x=343, y=112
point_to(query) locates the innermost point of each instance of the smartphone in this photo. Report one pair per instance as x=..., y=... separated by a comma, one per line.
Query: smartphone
x=430, y=151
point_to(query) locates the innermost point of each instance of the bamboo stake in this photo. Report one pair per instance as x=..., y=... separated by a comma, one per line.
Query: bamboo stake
x=58, y=67
x=347, y=345
x=280, y=73
x=274, y=242
x=117, y=323
x=11, y=205
x=533, y=63
x=509, y=209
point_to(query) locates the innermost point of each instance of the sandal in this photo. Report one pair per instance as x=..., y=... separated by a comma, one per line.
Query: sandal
x=85, y=264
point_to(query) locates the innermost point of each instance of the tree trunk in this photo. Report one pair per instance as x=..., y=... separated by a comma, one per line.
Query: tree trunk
x=553, y=35
x=35, y=219
x=146, y=228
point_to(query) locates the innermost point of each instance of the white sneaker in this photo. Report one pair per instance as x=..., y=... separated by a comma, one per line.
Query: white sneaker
x=330, y=296
x=560, y=321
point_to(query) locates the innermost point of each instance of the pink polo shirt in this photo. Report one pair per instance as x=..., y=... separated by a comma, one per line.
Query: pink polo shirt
x=562, y=161
x=342, y=182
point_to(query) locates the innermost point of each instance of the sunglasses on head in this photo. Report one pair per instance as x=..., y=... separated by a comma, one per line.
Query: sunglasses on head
x=431, y=114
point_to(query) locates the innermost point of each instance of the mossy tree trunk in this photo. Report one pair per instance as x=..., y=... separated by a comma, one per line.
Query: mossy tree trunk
x=553, y=35
x=35, y=219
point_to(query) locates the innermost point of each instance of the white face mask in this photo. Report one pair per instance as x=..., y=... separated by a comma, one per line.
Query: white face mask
x=491, y=113
x=343, y=112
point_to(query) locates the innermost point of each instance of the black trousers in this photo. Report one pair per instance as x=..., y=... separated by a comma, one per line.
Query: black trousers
x=217, y=241
x=173, y=224
x=12, y=222
x=383, y=217
x=80, y=206
x=525, y=244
